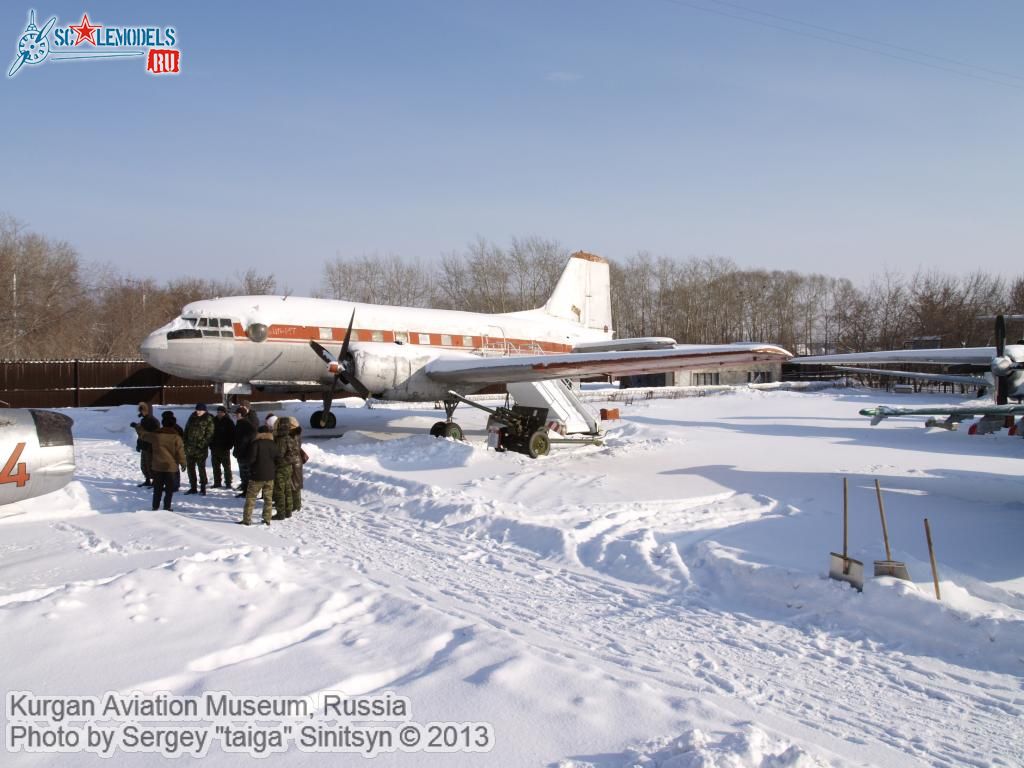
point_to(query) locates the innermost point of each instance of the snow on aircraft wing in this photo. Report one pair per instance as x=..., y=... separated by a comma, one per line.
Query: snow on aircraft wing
x=963, y=412
x=499, y=370
x=948, y=356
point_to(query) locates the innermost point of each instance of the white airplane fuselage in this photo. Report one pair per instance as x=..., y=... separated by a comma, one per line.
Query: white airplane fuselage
x=37, y=453
x=264, y=340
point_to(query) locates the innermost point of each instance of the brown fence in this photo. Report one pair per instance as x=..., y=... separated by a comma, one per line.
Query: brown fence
x=79, y=383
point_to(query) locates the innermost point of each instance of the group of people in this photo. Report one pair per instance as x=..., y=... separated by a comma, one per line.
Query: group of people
x=269, y=456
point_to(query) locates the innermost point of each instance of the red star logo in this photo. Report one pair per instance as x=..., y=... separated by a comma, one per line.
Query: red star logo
x=86, y=32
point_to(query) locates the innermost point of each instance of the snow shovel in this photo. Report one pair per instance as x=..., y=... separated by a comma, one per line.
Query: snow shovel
x=888, y=567
x=841, y=567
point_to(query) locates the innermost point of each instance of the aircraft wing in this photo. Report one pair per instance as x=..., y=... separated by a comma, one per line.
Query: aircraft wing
x=950, y=378
x=500, y=370
x=960, y=413
x=949, y=356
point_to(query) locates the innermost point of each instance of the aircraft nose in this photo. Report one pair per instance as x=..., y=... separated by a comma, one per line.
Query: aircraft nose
x=153, y=348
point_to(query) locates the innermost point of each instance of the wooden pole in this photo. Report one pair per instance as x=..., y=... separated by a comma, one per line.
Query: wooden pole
x=885, y=528
x=931, y=554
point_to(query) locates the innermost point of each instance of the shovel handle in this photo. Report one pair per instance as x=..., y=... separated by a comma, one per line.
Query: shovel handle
x=931, y=554
x=845, y=507
x=885, y=528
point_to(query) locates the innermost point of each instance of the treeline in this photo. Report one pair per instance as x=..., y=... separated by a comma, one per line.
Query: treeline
x=53, y=305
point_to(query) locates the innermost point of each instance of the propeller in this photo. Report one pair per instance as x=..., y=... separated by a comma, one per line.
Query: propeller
x=336, y=365
x=1003, y=365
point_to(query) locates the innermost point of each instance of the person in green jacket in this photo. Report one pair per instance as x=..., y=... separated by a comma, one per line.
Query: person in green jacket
x=287, y=456
x=198, y=435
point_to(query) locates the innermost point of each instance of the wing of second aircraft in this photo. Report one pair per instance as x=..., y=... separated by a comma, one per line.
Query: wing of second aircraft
x=947, y=356
x=476, y=370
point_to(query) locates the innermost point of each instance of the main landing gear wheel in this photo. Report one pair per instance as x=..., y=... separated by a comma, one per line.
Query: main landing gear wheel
x=320, y=420
x=446, y=429
x=539, y=444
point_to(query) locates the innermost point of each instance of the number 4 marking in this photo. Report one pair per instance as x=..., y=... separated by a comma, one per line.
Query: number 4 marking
x=12, y=474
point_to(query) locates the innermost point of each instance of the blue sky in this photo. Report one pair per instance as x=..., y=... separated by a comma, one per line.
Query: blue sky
x=300, y=131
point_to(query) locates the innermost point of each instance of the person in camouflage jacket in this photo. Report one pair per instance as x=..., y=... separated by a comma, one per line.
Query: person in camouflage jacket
x=287, y=455
x=198, y=435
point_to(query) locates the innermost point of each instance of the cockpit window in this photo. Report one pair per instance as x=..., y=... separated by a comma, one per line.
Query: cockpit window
x=198, y=327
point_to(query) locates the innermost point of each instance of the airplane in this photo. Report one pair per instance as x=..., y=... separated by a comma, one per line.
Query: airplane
x=295, y=344
x=1005, y=364
x=37, y=453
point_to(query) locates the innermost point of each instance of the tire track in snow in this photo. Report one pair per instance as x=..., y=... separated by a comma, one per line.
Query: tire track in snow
x=793, y=674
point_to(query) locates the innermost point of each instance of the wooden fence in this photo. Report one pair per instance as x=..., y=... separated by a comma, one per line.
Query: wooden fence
x=81, y=383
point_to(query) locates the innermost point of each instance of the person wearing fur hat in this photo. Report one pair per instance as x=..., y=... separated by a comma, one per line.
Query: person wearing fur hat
x=287, y=455
x=300, y=459
x=148, y=423
x=168, y=458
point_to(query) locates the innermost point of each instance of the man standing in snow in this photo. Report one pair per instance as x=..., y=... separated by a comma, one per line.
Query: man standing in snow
x=262, y=461
x=168, y=453
x=220, y=447
x=245, y=433
x=148, y=423
x=198, y=435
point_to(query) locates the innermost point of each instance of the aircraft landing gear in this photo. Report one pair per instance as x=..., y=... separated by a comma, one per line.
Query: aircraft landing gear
x=448, y=428
x=324, y=419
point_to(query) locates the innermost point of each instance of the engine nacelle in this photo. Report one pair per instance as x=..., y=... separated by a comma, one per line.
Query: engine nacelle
x=395, y=371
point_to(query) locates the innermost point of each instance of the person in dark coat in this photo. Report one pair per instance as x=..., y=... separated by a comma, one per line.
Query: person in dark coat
x=221, y=445
x=148, y=423
x=250, y=416
x=245, y=433
x=262, y=468
x=168, y=458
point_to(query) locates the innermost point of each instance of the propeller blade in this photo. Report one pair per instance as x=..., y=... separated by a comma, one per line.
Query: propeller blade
x=335, y=366
x=323, y=354
x=1000, y=335
x=348, y=335
x=1002, y=390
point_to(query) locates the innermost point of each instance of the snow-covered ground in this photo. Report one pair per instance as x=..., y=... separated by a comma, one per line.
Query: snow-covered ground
x=661, y=600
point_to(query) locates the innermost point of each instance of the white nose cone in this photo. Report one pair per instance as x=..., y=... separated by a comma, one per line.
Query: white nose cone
x=152, y=348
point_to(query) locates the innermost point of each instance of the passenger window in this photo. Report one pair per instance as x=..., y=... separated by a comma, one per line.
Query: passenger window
x=377, y=336
x=467, y=341
x=401, y=337
x=446, y=340
x=424, y=338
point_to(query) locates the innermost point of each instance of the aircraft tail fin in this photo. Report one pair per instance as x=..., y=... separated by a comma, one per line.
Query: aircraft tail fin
x=583, y=293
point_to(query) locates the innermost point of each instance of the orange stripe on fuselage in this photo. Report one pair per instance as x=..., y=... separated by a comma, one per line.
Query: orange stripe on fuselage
x=306, y=333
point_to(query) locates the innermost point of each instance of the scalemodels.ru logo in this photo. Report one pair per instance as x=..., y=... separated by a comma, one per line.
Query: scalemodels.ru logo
x=101, y=41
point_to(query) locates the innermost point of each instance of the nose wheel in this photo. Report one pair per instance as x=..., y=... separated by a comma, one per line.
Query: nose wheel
x=448, y=428
x=323, y=420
